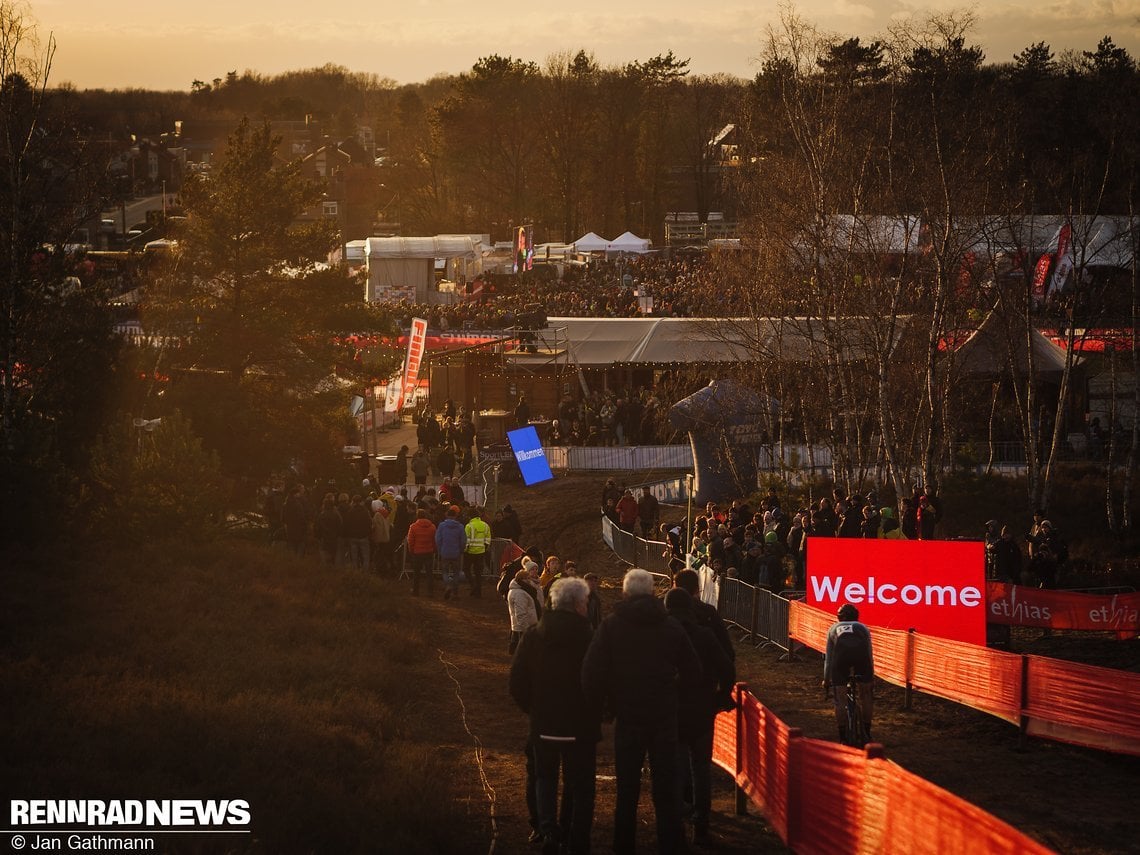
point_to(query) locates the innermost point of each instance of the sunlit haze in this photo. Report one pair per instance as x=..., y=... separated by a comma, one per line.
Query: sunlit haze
x=165, y=45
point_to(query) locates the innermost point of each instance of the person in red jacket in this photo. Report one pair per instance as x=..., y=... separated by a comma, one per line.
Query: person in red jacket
x=628, y=511
x=421, y=550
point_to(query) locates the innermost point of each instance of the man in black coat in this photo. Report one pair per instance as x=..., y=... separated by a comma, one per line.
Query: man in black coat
x=639, y=660
x=705, y=614
x=565, y=728
x=697, y=711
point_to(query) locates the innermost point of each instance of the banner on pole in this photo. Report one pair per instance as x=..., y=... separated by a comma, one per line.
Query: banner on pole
x=416, y=342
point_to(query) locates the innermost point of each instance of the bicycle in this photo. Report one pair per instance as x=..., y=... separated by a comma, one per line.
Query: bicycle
x=858, y=732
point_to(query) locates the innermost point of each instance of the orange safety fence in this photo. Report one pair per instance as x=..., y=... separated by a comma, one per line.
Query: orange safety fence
x=1083, y=704
x=1065, y=701
x=828, y=798
x=969, y=674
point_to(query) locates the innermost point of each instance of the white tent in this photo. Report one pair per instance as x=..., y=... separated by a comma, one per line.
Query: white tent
x=591, y=242
x=629, y=242
x=404, y=267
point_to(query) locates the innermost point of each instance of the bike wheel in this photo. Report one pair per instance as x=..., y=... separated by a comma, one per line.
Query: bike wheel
x=857, y=736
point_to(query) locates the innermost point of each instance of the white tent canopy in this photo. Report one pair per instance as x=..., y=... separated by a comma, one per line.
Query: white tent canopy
x=403, y=268
x=590, y=242
x=629, y=242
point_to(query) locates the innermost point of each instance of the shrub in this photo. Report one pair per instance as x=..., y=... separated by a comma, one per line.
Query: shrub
x=153, y=479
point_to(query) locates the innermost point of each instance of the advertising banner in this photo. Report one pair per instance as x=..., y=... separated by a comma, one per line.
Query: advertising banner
x=416, y=342
x=1064, y=261
x=527, y=448
x=1018, y=605
x=936, y=587
x=1041, y=275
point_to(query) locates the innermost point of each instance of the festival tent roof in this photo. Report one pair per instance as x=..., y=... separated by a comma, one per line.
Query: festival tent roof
x=990, y=350
x=875, y=233
x=590, y=242
x=1102, y=241
x=628, y=242
x=440, y=246
x=660, y=341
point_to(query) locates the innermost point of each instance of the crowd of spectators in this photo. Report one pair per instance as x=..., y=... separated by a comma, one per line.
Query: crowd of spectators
x=767, y=547
x=679, y=287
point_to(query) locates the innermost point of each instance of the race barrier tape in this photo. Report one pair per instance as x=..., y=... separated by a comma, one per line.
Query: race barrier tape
x=1063, y=701
x=1018, y=605
x=828, y=798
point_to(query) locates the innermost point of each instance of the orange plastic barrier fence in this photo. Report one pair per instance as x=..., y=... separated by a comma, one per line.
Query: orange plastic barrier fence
x=987, y=680
x=827, y=798
x=1064, y=701
x=1083, y=704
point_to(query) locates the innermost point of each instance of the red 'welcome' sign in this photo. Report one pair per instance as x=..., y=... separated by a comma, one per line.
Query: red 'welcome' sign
x=935, y=586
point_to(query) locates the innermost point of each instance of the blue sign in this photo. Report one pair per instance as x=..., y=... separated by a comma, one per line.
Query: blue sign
x=530, y=456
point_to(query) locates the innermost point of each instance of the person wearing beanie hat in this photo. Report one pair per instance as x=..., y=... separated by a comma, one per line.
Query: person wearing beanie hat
x=523, y=604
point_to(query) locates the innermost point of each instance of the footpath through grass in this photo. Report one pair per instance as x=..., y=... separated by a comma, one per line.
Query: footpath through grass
x=229, y=671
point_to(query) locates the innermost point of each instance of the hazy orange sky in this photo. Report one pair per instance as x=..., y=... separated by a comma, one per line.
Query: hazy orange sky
x=166, y=45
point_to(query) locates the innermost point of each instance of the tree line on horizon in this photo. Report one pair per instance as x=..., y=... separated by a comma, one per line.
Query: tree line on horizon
x=571, y=145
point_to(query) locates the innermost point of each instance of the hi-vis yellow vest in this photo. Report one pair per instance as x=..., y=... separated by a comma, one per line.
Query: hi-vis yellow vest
x=478, y=536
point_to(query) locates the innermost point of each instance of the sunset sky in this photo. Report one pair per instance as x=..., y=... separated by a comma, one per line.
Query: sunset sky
x=166, y=45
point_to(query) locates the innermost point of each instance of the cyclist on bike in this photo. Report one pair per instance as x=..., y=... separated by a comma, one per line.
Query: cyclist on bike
x=849, y=651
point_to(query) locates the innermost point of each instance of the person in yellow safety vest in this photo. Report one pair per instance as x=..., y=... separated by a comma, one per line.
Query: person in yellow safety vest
x=475, y=558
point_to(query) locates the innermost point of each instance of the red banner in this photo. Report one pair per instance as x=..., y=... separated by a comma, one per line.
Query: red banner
x=1040, y=273
x=1064, y=260
x=1017, y=605
x=934, y=586
x=416, y=343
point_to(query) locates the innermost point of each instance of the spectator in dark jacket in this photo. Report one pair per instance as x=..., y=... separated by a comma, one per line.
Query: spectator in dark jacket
x=328, y=529
x=648, y=513
x=1007, y=558
x=594, y=603
x=706, y=615
x=545, y=682
x=697, y=709
x=358, y=530
x=639, y=659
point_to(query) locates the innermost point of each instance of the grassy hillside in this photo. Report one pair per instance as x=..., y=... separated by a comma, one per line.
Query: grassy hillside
x=229, y=671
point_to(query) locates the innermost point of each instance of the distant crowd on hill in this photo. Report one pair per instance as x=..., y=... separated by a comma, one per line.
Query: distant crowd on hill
x=679, y=287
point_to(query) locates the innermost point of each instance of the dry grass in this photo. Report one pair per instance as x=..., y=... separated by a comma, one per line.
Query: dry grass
x=227, y=671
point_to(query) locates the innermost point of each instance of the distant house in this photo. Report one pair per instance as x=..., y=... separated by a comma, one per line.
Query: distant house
x=724, y=149
x=359, y=154
x=325, y=162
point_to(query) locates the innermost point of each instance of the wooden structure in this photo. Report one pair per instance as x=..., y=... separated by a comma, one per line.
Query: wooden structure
x=489, y=378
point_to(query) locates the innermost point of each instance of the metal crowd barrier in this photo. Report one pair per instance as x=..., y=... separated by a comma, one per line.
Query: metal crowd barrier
x=762, y=614
x=649, y=555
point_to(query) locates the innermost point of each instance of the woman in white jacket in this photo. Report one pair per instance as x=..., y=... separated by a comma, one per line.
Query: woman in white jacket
x=523, y=603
